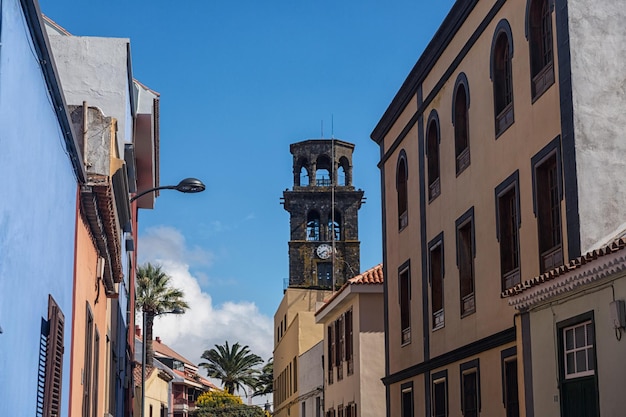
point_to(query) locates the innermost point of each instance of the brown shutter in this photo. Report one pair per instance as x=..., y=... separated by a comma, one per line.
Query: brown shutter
x=54, y=360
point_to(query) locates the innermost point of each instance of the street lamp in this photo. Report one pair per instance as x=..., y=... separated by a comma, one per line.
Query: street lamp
x=177, y=310
x=188, y=185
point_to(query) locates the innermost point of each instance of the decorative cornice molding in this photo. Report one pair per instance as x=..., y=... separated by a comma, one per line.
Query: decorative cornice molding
x=597, y=270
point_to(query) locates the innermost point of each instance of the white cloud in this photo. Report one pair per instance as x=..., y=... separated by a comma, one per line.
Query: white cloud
x=204, y=325
x=164, y=242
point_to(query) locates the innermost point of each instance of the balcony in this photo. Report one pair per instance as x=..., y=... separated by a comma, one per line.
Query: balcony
x=181, y=404
x=462, y=161
x=511, y=278
x=551, y=258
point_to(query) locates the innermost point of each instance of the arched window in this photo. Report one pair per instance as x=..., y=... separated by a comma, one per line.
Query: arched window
x=343, y=173
x=460, y=120
x=313, y=225
x=432, y=149
x=539, y=32
x=402, y=175
x=301, y=172
x=502, y=77
x=323, y=173
x=334, y=226
x=304, y=177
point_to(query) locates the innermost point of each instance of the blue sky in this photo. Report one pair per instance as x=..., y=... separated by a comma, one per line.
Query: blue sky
x=239, y=82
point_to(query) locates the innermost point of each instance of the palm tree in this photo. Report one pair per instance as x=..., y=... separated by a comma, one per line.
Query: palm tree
x=155, y=296
x=233, y=366
x=265, y=380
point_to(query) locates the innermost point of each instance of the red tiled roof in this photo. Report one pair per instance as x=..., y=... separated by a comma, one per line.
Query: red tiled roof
x=612, y=247
x=137, y=373
x=373, y=276
x=163, y=349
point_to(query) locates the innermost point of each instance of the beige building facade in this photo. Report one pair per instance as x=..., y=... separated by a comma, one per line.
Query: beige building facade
x=496, y=167
x=354, y=347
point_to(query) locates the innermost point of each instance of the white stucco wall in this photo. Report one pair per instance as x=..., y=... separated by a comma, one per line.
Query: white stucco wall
x=598, y=58
x=96, y=70
x=37, y=217
x=610, y=352
x=310, y=378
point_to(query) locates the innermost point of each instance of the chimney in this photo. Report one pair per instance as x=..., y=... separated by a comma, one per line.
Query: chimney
x=158, y=339
x=138, y=331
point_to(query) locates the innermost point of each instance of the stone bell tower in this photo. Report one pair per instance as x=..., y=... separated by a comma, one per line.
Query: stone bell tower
x=324, y=247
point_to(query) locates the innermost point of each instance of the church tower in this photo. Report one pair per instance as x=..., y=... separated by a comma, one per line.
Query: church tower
x=324, y=247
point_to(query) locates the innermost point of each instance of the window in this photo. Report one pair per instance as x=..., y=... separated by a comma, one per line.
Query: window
x=440, y=393
x=301, y=173
x=331, y=353
x=432, y=152
x=509, y=382
x=407, y=399
x=313, y=225
x=303, y=413
x=578, y=350
x=547, y=184
x=539, y=32
x=96, y=372
x=325, y=274
x=470, y=388
x=405, y=305
x=340, y=410
x=295, y=374
x=436, y=273
x=344, y=172
x=323, y=172
x=50, y=361
x=402, y=175
x=88, y=364
x=349, y=342
x=501, y=72
x=507, y=229
x=465, y=260
x=577, y=364
x=460, y=120
x=339, y=346
x=334, y=226
x=351, y=410
x=318, y=407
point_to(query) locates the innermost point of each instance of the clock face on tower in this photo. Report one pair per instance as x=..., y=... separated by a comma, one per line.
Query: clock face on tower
x=324, y=251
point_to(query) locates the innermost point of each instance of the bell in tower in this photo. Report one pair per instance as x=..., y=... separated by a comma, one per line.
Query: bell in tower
x=324, y=247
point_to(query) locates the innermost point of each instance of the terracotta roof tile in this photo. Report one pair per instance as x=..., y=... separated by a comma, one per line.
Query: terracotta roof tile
x=614, y=246
x=371, y=276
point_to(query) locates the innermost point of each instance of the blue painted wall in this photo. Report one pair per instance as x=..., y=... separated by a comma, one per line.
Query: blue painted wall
x=37, y=216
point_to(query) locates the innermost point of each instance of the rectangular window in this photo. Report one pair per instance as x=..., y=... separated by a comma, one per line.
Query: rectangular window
x=295, y=374
x=340, y=410
x=440, y=394
x=351, y=410
x=548, y=210
x=87, y=366
x=578, y=350
x=405, y=306
x=96, y=371
x=303, y=413
x=349, y=342
x=509, y=382
x=331, y=353
x=436, y=281
x=508, y=223
x=470, y=388
x=340, y=345
x=318, y=406
x=407, y=400
x=51, y=361
x=325, y=274
x=465, y=261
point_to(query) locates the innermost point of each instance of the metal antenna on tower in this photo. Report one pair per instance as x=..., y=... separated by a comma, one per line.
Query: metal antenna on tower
x=333, y=183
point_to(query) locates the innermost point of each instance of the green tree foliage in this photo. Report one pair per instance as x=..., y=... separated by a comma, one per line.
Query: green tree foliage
x=156, y=296
x=233, y=366
x=223, y=404
x=265, y=380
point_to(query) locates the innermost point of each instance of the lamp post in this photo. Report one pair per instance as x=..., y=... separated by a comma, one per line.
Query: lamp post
x=188, y=185
x=177, y=310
